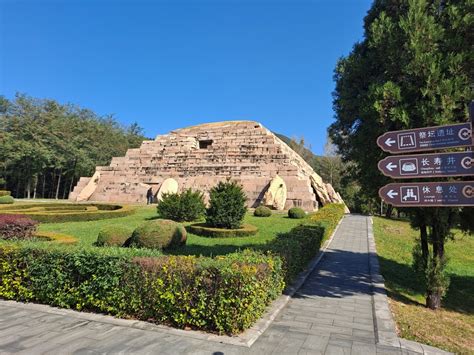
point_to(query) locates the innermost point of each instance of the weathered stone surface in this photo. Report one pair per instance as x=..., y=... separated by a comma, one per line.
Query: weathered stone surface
x=89, y=189
x=199, y=157
x=320, y=187
x=169, y=186
x=275, y=196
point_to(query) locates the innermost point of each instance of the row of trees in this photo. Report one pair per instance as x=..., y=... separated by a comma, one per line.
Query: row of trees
x=46, y=146
x=412, y=69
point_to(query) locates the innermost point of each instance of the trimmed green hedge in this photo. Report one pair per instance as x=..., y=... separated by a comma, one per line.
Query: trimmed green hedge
x=328, y=216
x=226, y=294
x=298, y=246
x=67, y=212
x=203, y=230
x=6, y=200
x=159, y=234
x=5, y=193
x=113, y=236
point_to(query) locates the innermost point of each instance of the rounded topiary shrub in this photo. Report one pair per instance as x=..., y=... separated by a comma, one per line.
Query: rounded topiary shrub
x=112, y=236
x=4, y=200
x=262, y=211
x=5, y=193
x=182, y=207
x=226, y=206
x=158, y=234
x=296, y=212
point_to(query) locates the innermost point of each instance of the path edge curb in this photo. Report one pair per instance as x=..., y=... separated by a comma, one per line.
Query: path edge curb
x=276, y=306
x=385, y=326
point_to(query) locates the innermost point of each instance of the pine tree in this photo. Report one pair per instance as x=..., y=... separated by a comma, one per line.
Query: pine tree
x=411, y=70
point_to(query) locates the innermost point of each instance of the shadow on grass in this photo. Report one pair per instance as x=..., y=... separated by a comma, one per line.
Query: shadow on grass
x=401, y=278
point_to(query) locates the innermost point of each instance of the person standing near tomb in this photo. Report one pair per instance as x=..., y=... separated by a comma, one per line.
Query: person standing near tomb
x=149, y=196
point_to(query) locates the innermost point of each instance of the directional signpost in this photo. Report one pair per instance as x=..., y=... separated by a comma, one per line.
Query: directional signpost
x=429, y=138
x=429, y=194
x=428, y=165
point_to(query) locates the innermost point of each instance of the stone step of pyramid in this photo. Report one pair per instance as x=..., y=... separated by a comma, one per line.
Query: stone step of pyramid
x=199, y=157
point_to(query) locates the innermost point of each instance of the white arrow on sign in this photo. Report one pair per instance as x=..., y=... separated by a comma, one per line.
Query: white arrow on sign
x=389, y=141
x=392, y=193
x=390, y=166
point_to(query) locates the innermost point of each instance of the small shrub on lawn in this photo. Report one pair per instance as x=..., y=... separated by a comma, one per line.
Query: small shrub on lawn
x=186, y=206
x=159, y=234
x=296, y=212
x=226, y=206
x=16, y=226
x=262, y=211
x=113, y=236
x=226, y=294
x=6, y=200
x=5, y=193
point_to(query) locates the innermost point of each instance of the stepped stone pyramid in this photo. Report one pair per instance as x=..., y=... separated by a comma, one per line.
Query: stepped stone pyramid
x=199, y=157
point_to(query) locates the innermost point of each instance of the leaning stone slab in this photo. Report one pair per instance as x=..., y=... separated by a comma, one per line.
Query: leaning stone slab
x=169, y=186
x=90, y=188
x=276, y=194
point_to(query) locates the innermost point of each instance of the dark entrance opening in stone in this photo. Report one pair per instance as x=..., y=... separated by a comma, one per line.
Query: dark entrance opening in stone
x=318, y=202
x=205, y=144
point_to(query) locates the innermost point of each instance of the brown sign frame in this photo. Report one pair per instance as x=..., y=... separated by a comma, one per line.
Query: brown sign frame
x=393, y=194
x=440, y=165
x=410, y=138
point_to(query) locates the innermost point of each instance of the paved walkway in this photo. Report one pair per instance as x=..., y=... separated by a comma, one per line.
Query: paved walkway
x=331, y=314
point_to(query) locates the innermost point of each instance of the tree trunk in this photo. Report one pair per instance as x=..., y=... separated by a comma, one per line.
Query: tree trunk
x=438, y=243
x=433, y=300
x=28, y=188
x=35, y=185
x=44, y=185
x=53, y=180
x=71, y=185
x=59, y=183
x=424, y=243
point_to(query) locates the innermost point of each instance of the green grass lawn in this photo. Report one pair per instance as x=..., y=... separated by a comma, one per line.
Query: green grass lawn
x=451, y=328
x=268, y=227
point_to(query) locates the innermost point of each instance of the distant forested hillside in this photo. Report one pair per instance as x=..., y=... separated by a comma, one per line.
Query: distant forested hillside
x=45, y=146
x=301, y=149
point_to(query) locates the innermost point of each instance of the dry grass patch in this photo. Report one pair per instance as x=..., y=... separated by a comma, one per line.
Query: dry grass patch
x=451, y=328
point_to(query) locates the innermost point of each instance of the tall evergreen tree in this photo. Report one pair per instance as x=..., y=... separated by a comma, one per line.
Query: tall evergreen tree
x=413, y=69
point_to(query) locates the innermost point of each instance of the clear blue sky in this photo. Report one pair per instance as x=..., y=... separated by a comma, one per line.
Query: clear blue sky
x=170, y=64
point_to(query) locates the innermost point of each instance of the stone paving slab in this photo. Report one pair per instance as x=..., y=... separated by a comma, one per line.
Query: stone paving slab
x=341, y=308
